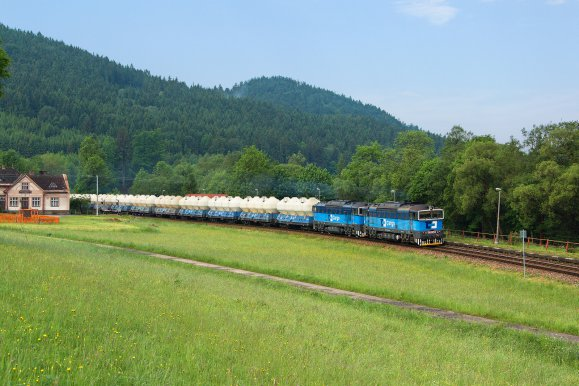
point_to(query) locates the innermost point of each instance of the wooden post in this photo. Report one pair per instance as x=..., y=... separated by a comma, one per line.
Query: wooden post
x=567, y=246
x=547, y=244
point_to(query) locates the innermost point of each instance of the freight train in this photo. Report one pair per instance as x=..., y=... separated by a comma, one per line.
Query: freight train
x=404, y=222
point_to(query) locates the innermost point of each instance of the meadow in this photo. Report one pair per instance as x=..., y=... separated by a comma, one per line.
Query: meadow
x=74, y=313
x=381, y=271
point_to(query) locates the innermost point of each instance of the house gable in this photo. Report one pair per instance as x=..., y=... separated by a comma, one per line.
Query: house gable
x=17, y=188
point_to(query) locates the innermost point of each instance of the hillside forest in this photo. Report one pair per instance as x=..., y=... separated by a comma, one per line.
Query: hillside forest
x=64, y=110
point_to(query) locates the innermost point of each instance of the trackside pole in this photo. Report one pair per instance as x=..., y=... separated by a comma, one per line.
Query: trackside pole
x=524, y=236
x=97, y=195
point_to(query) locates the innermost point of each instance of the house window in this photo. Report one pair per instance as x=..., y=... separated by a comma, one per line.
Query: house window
x=36, y=202
x=14, y=201
x=54, y=202
x=25, y=186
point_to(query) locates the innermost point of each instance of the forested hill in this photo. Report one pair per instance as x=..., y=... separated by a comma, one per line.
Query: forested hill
x=58, y=94
x=292, y=94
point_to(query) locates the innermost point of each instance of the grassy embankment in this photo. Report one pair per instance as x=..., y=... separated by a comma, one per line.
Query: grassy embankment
x=72, y=313
x=381, y=271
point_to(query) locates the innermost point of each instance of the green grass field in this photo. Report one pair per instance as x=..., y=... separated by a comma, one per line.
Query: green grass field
x=72, y=313
x=381, y=271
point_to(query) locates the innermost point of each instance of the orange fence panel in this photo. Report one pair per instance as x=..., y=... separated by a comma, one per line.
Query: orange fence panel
x=28, y=219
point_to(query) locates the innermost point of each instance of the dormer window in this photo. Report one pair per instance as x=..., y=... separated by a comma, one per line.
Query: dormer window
x=52, y=186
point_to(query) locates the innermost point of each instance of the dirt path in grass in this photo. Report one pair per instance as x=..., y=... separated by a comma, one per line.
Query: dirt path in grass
x=451, y=315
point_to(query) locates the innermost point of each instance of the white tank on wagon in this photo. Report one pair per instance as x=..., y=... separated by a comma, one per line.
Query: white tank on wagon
x=223, y=203
x=192, y=202
x=269, y=205
x=174, y=202
x=213, y=203
x=203, y=203
x=244, y=205
x=294, y=206
x=150, y=201
x=160, y=202
x=261, y=204
x=253, y=204
x=109, y=199
x=307, y=205
x=282, y=205
x=144, y=202
x=123, y=199
x=297, y=206
x=184, y=203
x=234, y=204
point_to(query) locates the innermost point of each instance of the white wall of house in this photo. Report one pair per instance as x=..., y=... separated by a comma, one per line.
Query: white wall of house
x=48, y=202
x=56, y=202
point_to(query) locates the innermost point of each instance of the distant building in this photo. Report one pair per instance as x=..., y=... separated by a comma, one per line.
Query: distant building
x=48, y=194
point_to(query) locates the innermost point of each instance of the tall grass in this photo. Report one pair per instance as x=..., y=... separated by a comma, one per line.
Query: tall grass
x=72, y=313
x=381, y=271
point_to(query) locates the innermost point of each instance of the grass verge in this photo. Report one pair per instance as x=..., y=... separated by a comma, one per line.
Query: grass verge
x=79, y=314
x=381, y=271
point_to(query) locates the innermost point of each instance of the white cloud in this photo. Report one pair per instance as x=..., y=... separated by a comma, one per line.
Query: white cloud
x=437, y=12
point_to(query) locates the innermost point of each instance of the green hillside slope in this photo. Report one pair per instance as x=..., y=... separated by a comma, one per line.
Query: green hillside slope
x=303, y=97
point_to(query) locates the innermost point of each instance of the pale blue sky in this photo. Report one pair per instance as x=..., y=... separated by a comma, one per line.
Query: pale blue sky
x=491, y=66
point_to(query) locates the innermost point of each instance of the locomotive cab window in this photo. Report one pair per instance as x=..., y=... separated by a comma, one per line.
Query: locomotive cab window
x=435, y=214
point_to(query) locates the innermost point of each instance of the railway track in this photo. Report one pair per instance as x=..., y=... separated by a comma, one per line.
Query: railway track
x=556, y=264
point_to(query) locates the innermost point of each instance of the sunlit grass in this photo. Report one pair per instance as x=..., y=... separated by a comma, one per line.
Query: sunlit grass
x=71, y=313
x=381, y=271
